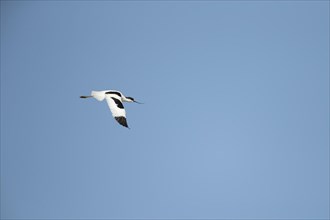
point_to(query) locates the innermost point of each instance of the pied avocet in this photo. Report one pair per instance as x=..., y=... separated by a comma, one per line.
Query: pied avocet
x=115, y=101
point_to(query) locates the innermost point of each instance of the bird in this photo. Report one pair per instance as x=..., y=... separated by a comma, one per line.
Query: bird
x=115, y=101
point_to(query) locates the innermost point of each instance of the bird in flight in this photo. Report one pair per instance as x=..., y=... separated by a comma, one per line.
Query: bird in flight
x=115, y=101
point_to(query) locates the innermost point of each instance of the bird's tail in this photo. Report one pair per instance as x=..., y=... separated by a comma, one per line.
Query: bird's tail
x=98, y=95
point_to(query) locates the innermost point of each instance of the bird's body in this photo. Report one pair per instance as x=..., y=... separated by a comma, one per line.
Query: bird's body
x=115, y=101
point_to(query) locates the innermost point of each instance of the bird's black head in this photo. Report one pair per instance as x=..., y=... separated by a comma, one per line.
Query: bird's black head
x=130, y=98
x=133, y=100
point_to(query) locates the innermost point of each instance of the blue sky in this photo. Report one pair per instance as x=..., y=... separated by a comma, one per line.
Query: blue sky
x=235, y=122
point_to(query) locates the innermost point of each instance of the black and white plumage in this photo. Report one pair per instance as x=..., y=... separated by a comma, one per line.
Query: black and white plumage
x=115, y=101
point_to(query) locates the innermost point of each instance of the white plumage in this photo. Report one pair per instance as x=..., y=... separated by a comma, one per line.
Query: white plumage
x=115, y=101
x=114, y=108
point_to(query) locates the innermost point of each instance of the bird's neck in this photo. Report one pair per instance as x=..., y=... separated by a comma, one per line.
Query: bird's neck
x=124, y=99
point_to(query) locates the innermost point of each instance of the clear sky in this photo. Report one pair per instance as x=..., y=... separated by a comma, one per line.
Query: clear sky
x=235, y=122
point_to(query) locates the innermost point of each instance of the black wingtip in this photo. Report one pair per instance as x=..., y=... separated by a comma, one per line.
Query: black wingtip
x=122, y=120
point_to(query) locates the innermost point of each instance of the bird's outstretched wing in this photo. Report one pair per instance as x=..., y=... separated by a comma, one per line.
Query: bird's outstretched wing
x=117, y=108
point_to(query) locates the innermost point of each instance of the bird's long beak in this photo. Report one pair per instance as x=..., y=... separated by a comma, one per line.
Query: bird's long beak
x=138, y=102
